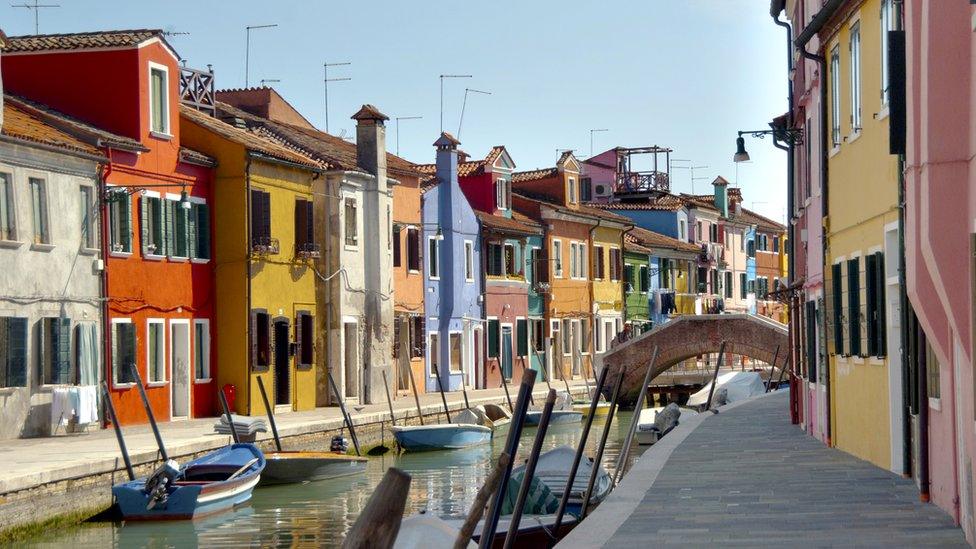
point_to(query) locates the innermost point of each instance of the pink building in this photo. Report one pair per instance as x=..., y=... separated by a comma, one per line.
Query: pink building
x=940, y=178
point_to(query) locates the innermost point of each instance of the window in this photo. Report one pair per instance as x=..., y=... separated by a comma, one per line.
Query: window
x=510, y=268
x=198, y=230
x=682, y=229
x=89, y=230
x=156, y=350
x=503, y=194
x=260, y=339
x=534, y=266
x=7, y=211
x=585, y=190
x=728, y=284
x=811, y=343
x=433, y=258
x=201, y=349
x=775, y=244
x=42, y=233
x=260, y=218
x=583, y=327
x=454, y=340
x=87, y=343
x=493, y=335
x=835, y=95
x=469, y=261
x=615, y=264
x=572, y=191
x=698, y=231
x=837, y=301
x=396, y=246
x=630, y=285
x=522, y=337
x=886, y=18
x=352, y=222
x=176, y=221
x=581, y=262
x=597, y=337
x=435, y=351
x=664, y=273
x=874, y=284
x=54, y=351
x=712, y=232
x=123, y=351
x=567, y=331
x=642, y=281
x=413, y=249
x=496, y=259
x=854, y=305
x=120, y=221
x=538, y=326
x=151, y=225
x=159, y=99
x=304, y=226
x=598, y=265
x=933, y=372
x=417, y=345
x=557, y=258
x=855, y=46
x=742, y=285
x=751, y=247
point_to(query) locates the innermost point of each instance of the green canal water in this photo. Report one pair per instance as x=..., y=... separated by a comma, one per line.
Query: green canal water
x=319, y=514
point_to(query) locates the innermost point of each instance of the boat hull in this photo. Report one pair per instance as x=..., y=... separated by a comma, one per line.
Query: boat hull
x=532, y=417
x=602, y=409
x=420, y=438
x=293, y=467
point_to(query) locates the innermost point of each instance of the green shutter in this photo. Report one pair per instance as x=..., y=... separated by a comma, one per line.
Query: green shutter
x=144, y=223
x=882, y=323
x=181, y=215
x=522, y=336
x=191, y=230
x=854, y=304
x=125, y=223
x=838, y=306
x=167, y=228
x=492, y=339
x=203, y=231
x=16, y=352
x=870, y=278
x=62, y=349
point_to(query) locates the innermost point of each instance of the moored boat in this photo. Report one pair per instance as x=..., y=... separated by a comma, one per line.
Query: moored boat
x=532, y=417
x=444, y=436
x=602, y=408
x=553, y=470
x=297, y=466
x=210, y=484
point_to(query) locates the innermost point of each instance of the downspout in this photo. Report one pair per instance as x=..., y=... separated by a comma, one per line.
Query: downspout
x=593, y=319
x=923, y=414
x=247, y=262
x=103, y=229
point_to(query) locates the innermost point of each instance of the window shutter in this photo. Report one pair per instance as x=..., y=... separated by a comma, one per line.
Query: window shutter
x=116, y=372
x=144, y=223
x=191, y=231
x=63, y=350
x=854, y=305
x=870, y=295
x=882, y=322
x=396, y=336
x=309, y=222
x=16, y=352
x=542, y=265
x=811, y=333
x=253, y=330
x=125, y=223
x=203, y=231
x=301, y=228
x=522, y=336
x=492, y=339
x=266, y=214
x=837, y=306
x=164, y=229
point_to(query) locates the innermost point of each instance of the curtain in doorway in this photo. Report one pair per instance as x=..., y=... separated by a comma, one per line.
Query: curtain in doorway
x=87, y=343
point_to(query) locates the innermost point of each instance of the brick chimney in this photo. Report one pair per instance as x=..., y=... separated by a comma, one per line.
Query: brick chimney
x=721, y=195
x=371, y=142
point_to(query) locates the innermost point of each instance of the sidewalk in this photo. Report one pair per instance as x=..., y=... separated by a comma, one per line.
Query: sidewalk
x=29, y=463
x=746, y=477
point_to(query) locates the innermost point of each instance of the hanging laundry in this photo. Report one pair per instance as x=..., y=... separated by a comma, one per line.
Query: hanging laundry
x=87, y=410
x=61, y=407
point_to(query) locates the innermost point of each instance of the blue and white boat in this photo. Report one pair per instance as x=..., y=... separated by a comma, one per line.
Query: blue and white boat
x=445, y=436
x=532, y=417
x=210, y=484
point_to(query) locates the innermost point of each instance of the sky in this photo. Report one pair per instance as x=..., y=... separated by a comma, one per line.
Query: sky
x=682, y=74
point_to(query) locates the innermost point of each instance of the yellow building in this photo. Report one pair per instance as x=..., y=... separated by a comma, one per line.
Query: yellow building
x=264, y=274
x=861, y=229
x=607, y=292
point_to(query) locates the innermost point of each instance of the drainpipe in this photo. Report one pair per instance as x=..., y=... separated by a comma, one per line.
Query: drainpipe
x=103, y=230
x=247, y=262
x=923, y=415
x=593, y=323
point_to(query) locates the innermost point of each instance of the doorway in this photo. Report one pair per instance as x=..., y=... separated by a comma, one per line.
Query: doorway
x=575, y=346
x=555, y=354
x=180, y=368
x=507, y=351
x=350, y=338
x=282, y=363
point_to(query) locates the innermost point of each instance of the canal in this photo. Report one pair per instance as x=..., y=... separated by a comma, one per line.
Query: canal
x=319, y=514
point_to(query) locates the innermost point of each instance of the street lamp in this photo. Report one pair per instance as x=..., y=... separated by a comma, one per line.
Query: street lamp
x=247, y=48
x=464, y=104
x=442, y=77
x=591, y=138
x=396, y=121
x=790, y=136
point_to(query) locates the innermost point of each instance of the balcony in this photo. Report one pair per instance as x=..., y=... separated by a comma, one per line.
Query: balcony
x=308, y=250
x=642, y=182
x=265, y=245
x=541, y=287
x=197, y=89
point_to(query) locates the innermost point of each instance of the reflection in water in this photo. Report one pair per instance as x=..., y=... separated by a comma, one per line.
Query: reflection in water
x=319, y=514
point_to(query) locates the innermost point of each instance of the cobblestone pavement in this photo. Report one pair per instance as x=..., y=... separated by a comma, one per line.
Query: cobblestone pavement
x=748, y=477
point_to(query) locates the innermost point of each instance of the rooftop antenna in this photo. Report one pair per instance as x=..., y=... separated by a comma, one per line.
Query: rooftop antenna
x=247, y=48
x=37, y=9
x=691, y=168
x=397, y=120
x=326, y=80
x=463, y=104
x=591, y=138
x=267, y=80
x=442, y=77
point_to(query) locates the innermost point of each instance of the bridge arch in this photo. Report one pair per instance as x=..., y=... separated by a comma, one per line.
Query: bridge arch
x=688, y=336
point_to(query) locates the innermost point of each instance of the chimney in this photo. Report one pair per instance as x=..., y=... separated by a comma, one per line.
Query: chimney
x=447, y=162
x=721, y=195
x=371, y=142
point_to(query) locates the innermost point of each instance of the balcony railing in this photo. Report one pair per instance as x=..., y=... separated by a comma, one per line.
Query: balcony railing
x=197, y=89
x=542, y=287
x=308, y=250
x=636, y=182
x=265, y=245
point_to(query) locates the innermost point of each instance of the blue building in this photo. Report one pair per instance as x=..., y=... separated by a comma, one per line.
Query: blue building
x=751, y=268
x=452, y=278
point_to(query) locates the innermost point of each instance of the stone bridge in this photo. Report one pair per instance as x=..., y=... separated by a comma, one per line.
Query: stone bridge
x=685, y=337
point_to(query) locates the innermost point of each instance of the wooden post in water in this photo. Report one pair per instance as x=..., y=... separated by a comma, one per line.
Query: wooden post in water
x=389, y=400
x=230, y=421
x=345, y=414
x=603, y=444
x=271, y=419
x=149, y=413
x=480, y=500
x=379, y=523
x=440, y=387
x=718, y=364
x=545, y=370
x=782, y=372
x=772, y=368
x=579, y=452
x=511, y=448
x=416, y=397
x=527, y=477
x=625, y=449
x=508, y=396
x=118, y=431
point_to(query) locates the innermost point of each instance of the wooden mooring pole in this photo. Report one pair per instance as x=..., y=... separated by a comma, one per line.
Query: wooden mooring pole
x=118, y=431
x=379, y=523
x=271, y=419
x=603, y=444
x=529, y=472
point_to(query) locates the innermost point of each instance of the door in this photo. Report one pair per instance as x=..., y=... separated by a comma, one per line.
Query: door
x=350, y=334
x=555, y=352
x=474, y=365
x=507, y=351
x=180, y=368
x=282, y=363
x=575, y=346
x=403, y=353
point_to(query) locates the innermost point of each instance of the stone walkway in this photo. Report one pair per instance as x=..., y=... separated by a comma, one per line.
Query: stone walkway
x=747, y=477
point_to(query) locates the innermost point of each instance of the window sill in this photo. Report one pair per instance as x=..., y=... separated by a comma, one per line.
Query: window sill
x=122, y=255
x=434, y=278
x=160, y=135
x=202, y=381
x=154, y=257
x=10, y=244
x=7, y=391
x=199, y=261
x=854, y=136
x=122, y=385
x=935, y=404
x=834, y=151
x=351, y=247
x=157, y=384
x=412, y=272
x=175, y=259
x=883, y=113
x=89, y=251
x=42, y=247
x=469, y=280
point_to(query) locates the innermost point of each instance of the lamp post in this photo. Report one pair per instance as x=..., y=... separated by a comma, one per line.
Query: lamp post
x=396, y=121
x=442, y=77
x=247, y=48
x=326, y=80
x=464, y=104
x=591, y=138
x=790, y=136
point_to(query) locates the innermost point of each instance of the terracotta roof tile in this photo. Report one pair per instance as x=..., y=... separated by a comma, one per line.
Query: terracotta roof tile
x=749, y=216
x=653, y=239
x=369, y=112
x=705, y=201
x=632, y=245
x=505, y=225
x=583, y=211
x=534, y=175
x=81, y=40
x=468, y=168
x=26, y=126
x=191, y=156
x=666, y=202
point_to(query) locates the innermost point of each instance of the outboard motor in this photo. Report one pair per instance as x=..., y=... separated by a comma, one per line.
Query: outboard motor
x=159, y=481
x=340, y=444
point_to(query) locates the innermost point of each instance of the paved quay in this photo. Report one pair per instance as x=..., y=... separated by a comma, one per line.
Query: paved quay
x=747, y=477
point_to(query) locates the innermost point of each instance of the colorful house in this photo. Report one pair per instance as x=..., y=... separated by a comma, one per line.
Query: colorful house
x=265, y=232
x=453, y=298
x=671, y=270
x=159, y=269
x=637, y=310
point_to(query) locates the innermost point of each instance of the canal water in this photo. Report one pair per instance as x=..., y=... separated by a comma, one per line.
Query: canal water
x=319, y=514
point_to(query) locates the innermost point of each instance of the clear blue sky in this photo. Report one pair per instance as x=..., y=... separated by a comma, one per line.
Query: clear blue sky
x=680, y=73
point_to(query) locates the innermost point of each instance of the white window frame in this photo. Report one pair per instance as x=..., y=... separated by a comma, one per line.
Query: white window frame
x=165, y=132
x=886, y=14
x=433, y=353
x=206, y=350
x=573, y=195
x=436, y=256
x=178, y=205
x=564, y=333
x=156, y=256
x=468, y=261
x=835, y=96
x=114, y=346
x=346, y=202
x=45, y=213
x=503, y=194
x=162, y=348
x=111, y=221
x=573, y=260
x=89, y=222
x=450, y=366
x=11, y=198
x=854, y=49
x=599, y=347
x=557, y=258
x=682, y=230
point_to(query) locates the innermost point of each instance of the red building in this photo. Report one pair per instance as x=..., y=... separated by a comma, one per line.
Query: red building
x=156, y=201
